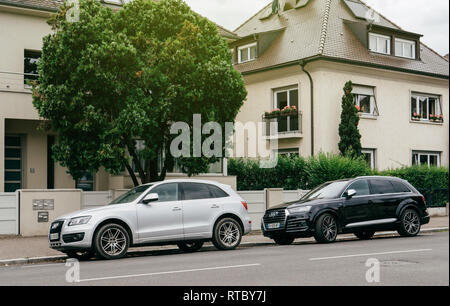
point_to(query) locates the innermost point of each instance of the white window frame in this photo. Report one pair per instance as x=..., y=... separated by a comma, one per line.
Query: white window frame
x=405, y=42
x=373, y=101
x=372, y=153
x=380, y=37
x=428, y=154
x=275, y=103
x=417, y=97
x=248, y=47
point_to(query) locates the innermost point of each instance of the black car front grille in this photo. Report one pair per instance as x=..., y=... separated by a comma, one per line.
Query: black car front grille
x=275, y=216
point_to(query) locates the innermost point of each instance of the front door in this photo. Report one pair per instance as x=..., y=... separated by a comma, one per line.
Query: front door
x=161, y=220
x=358, y=208
x=13, y=163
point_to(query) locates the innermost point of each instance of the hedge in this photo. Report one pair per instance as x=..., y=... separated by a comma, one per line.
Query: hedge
x=293, y=173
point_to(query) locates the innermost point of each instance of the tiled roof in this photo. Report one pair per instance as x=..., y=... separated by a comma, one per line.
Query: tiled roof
x=318, y=30
x=48, y=5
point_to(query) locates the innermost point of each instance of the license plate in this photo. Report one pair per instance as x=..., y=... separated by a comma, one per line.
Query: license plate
x=273, y=225
x=54, y=236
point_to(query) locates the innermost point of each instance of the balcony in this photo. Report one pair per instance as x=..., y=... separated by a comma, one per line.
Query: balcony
x=16, y=81
x=289, y=125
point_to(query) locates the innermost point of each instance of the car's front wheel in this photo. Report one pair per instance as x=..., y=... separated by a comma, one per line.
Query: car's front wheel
x=81, y=255
x=284, y=240
x=409, y=223
x=326, y=229
x=190, y=247
x=365, y=235
x=227, y=234
x=112, y=241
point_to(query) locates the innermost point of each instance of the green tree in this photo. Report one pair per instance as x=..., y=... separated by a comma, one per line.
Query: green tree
x=350, y=138
x=118, y=76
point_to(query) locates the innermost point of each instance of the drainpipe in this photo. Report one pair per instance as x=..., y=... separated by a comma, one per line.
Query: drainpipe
x=303, y=64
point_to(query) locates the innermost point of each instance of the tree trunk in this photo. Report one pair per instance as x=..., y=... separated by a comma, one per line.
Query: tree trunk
x=131, y=172
x=132, y=151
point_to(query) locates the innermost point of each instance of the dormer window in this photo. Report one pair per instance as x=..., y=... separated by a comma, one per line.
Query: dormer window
x=379, y=43
x=247, y=53
x=405, y=48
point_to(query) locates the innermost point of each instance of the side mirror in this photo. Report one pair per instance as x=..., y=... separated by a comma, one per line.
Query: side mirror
x=350, y=193
x=151, y=197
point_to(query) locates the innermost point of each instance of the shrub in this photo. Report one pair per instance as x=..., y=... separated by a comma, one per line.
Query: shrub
x=288, y=174
x=330, y=167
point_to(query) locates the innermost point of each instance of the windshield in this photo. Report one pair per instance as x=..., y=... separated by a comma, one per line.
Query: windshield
x=131, y=195
x=326, y=191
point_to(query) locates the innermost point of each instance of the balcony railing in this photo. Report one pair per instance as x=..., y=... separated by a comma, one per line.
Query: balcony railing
x=16, y=81
x=289, y=125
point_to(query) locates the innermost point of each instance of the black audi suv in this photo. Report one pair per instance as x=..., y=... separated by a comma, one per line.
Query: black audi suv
x=362, y=206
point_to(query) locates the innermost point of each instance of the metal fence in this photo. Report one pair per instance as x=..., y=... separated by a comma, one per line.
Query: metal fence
x=436, y=197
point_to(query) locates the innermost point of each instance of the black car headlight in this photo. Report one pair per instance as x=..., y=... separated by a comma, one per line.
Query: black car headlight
x=299, y=210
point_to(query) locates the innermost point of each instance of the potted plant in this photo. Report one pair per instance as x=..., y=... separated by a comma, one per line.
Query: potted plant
x=416, y=117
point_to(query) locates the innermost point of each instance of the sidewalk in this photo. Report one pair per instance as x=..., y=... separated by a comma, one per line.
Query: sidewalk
x=37, y=247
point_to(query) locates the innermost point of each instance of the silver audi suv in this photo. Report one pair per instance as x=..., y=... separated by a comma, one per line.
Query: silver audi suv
x=182, y=212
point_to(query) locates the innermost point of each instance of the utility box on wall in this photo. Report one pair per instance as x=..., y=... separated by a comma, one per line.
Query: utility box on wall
x=39, y=208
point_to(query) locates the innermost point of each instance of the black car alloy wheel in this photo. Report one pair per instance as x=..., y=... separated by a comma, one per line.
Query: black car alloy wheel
x=410, y=223
x=326, y=229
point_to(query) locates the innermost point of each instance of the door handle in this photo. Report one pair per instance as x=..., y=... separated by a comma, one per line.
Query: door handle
x=215, y=206
x=176, y=209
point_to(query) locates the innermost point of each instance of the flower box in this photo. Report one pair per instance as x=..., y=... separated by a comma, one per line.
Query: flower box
x=285, y=112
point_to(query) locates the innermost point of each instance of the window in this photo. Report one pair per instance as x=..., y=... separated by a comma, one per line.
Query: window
x=405, y=48
x=426, y=158
x=381, y=187
x=247, y=53
x=426, y=108
x=31, y=60
x=287, y=98
x=216, y=192
x=369, y=156
x=365, y=99
x=379, y=43
x=361, y=187
x=13, y=163
x=131, y=195
x=166, y=192
x=86, y=182
x=196, y=191
x=288, y=152
x=400, y=187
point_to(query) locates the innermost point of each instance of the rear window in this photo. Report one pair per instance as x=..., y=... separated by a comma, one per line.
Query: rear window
x=196, y=191
x=400, y=187
x=216, y=192
x=381, y=187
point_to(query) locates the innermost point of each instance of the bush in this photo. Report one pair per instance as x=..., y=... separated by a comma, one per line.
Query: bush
x=431, y=182
x=329, y=167
x=293, y=173
x=289, y=174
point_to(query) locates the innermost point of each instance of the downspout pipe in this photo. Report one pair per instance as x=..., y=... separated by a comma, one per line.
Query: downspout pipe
x=311, y=82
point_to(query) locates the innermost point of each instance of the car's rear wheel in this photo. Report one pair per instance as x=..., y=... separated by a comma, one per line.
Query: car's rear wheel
x=365, y=235
x=227, y=234
x=190, y=246
x=112, y=241
x=326, y=229
x=81, y=255
x=409, y=223
x=283, y=240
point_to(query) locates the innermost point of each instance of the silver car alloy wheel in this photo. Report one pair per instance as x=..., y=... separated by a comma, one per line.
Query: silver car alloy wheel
x=229, y=234
x=329, y=228
x=411, y=222
x=113, y=241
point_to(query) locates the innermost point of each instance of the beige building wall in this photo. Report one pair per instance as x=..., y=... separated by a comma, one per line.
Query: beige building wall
x=392, y=134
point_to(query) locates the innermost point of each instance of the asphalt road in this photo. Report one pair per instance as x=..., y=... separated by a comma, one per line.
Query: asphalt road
x=423, y=260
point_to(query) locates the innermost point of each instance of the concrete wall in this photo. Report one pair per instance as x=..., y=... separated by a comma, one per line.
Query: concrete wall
x=65, y=201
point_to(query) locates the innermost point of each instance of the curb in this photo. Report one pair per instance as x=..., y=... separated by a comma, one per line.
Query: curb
x=34, y=260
